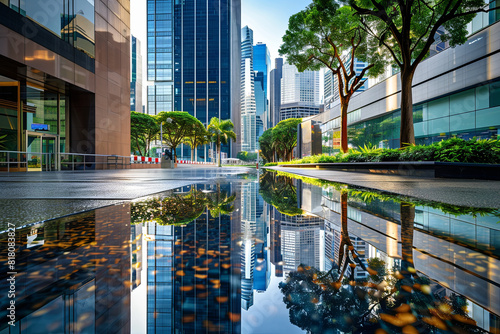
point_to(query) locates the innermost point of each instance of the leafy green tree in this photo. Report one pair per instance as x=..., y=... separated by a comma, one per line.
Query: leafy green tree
x=326, y=35
x=245, y=156
x=220, y=132
x=266, y=145
x=143, y=130
x=407, y=29
x=284, y=137
x=197, y=135
x=177, y=125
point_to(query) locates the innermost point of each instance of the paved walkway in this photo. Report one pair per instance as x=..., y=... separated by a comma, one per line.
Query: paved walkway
x=37, y=196
x=474, y=193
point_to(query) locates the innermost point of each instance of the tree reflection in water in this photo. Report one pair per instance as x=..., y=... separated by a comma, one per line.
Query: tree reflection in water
x=396, y=300
x=182, y=208
x=280, y=192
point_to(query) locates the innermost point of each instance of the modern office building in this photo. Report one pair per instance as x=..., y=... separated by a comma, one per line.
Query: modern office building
x=275, y=91
x=64, y=79
x=260, y=104
x=455, y=93
x=193, y=57
x=136, y=78
x=300, y=96
x=248, y=107
x=262, y=67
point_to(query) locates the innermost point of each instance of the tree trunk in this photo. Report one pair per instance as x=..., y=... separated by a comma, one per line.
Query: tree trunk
x=343, y=126
x=407, y=221
x=175, y=154
x=407, y=134
x=219, y=155
x=192, y=154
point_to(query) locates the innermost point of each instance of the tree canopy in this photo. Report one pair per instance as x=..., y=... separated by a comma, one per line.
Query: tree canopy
x=266, y=145
x=143, y=129
x=327, y=35
x=407, y=29
x=196, y=136
x=284, y=136
x=176, y=127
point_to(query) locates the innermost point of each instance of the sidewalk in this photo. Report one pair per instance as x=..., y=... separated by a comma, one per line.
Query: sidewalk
x=35, y=196
x=474, y=193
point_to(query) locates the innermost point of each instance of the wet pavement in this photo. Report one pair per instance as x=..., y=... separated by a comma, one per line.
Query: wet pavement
x=237, y=251
x=478, y=193
x=38, y=196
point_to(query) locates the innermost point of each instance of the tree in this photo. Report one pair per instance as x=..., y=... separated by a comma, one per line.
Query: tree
x=245, y=156
x=220, y=132
x=407, y=29
x=266, y=145
x=176, y=127
x=143, y=130
x=197, y=135
x=324, y=35
x=285, y=137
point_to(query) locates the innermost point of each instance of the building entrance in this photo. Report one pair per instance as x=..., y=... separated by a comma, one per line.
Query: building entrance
x=42, y=151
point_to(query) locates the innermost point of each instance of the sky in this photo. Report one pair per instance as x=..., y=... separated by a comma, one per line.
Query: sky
x=267, y=18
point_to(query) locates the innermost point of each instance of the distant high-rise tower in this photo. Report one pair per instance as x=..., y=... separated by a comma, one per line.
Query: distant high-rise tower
x=136, y=76
x=275, y=91
x=262, y=67
x=193, y=57
x=248, y=107
x=299, y=93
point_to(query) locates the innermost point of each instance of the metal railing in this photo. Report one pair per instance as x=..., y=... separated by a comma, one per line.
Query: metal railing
x=80, y=161
x=19, y=160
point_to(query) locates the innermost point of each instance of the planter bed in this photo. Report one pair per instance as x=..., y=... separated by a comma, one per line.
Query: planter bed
x=428, y=169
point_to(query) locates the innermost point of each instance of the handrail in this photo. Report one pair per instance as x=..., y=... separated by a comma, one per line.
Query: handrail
x=70, y=160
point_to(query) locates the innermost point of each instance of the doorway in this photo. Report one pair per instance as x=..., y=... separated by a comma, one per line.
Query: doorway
x=42, y=151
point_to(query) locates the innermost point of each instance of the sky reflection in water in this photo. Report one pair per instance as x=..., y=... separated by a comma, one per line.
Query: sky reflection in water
x=260, y=254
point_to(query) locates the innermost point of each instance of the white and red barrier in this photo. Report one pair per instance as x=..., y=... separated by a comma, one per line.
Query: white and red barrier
x=138, y=160
x=147, y=160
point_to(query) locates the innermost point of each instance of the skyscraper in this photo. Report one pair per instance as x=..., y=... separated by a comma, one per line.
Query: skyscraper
x=136, y=76
x=262, y=67
x=300, y=95
x=275, y=91
x=248, y=107
x=193, y=57
x=160, y=56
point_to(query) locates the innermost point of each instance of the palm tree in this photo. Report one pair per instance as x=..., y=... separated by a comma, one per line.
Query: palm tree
x=221, y=132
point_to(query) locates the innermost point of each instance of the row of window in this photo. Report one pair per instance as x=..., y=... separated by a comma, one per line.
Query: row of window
x=70, y=20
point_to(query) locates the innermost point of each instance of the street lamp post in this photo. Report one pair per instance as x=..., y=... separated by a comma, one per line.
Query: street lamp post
x=169, y=120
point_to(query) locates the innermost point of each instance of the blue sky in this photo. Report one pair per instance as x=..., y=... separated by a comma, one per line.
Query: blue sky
x=269, y=20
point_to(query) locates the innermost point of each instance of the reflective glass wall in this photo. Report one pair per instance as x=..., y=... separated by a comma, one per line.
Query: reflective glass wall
x=471, y=113
x=70, y=20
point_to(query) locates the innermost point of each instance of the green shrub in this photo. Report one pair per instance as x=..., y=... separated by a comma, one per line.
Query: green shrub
x=270, y=164
x=449, y=150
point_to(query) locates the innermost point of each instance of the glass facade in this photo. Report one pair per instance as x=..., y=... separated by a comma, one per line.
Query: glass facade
x=202, y=62
x=70, y=20
x=160, y=56
x=471, y=113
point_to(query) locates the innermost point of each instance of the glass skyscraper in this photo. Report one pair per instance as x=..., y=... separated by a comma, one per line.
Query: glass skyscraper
x=248, y=121
x=262, y=67
x=193, y=49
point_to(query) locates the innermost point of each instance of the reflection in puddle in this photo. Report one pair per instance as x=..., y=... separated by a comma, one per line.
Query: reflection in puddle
x=258, y=255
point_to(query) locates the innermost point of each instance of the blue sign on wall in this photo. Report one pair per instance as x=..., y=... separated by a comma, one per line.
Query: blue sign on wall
x=40, y=127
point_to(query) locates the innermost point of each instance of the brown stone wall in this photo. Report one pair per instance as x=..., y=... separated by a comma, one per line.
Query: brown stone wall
x=112, y=66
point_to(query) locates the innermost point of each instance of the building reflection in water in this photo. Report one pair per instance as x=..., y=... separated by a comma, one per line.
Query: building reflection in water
x=193, y=269
x=73, y=274
x=454, y=249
